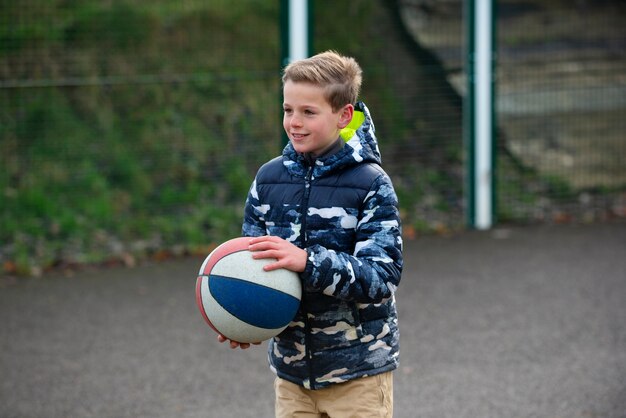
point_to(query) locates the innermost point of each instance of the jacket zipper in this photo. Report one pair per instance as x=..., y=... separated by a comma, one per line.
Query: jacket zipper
x=303, y=239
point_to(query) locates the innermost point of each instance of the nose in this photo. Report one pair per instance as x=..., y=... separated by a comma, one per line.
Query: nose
x=295, y=121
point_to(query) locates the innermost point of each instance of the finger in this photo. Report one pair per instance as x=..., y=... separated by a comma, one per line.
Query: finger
x=266, y=254
x=263, y=246
x=265, y=238
x=274, y=266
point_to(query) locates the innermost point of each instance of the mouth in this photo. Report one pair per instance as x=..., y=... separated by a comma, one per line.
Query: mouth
x=298, y=137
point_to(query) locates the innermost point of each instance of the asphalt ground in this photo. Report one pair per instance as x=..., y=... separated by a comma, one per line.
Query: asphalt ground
x=513, y=322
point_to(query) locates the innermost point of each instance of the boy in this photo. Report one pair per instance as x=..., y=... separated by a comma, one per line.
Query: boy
x=327, y=210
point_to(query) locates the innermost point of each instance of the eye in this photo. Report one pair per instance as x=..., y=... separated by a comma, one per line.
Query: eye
x=287, y=110
x=309, y=112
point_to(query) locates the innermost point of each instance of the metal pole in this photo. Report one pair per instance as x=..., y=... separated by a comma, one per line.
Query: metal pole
x=480, y=123
x=484, y=134
x=296, y=32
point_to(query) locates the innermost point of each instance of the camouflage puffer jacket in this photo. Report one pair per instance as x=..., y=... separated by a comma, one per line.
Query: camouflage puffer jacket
x=343, y=210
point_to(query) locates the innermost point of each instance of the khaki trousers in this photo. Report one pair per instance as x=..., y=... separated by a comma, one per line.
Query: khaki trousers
x=367, y=397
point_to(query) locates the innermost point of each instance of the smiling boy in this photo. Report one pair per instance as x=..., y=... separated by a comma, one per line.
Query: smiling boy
x=326, y=210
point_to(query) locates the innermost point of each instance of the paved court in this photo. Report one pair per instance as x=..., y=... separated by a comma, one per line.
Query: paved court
x=515, y=322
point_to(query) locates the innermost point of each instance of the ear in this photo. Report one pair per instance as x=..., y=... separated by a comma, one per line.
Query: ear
x=345, y=116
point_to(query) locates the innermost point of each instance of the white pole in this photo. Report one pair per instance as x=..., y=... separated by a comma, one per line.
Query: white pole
x=298, y=30
x=483, y=108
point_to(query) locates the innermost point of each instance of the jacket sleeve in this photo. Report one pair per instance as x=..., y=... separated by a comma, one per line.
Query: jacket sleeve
x=253, y=221
x=372, y=273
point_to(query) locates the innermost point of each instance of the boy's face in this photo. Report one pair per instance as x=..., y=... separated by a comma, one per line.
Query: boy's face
x=309, y=120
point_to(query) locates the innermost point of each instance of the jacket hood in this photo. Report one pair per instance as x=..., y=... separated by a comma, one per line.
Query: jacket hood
x=360, y=146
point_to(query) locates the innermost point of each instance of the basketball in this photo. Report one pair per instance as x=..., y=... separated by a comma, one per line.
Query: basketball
x=240, y=300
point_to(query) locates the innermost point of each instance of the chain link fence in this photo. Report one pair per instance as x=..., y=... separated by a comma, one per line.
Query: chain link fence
x=561, y=107
x=133, y=129
x=560, y=101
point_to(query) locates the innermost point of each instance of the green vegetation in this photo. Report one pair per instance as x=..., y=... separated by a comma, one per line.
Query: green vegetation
x=123, y=131
x=130, y=129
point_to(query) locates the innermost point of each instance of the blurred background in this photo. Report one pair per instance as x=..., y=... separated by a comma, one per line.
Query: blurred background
x=133, y=129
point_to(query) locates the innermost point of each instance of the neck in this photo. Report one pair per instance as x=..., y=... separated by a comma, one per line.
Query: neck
x=332, y=149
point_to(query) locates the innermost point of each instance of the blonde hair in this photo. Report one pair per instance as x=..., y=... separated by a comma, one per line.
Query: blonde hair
x=339, y=76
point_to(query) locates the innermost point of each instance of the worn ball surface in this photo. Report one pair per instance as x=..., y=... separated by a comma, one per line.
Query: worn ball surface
x=240, y=300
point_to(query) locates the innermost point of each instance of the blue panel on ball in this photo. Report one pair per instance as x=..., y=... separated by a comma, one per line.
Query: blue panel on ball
x=252, y=303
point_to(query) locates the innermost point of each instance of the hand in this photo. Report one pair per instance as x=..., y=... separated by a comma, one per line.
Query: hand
x=287, y=255
x=234, y=344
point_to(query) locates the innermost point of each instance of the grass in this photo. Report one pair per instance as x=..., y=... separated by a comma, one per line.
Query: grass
x=133, y=129
x=140, y=138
